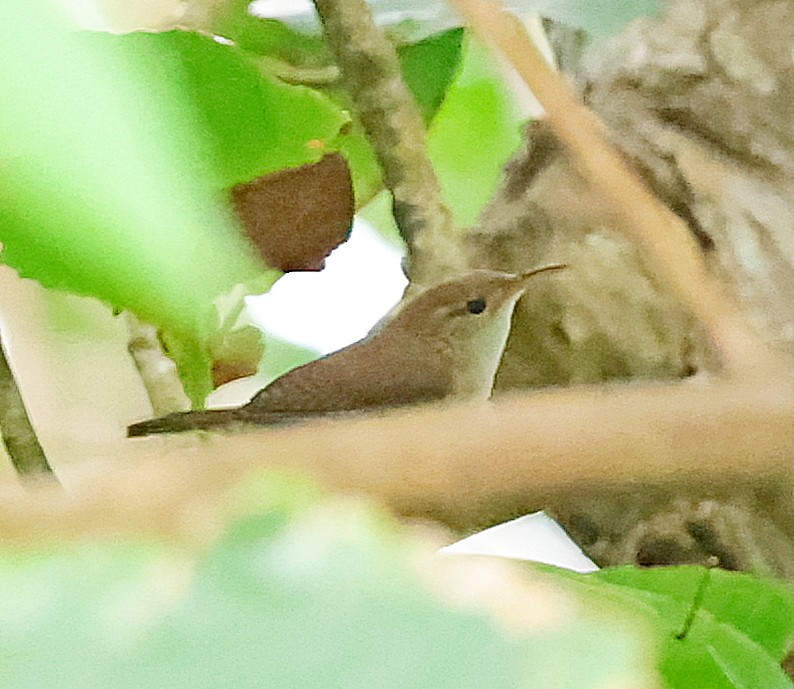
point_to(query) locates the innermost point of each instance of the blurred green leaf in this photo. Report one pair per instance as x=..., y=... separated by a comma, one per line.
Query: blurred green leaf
x=364, y=167
x=303, y=592
x=117, y=152
x=418, y=18
x=429, y=66
x=379, y=214
x=257, y=124
x=193, y=361
x=719, y=656
x=282, y=356
x=270, y=37
x=105, y=177
x=474, y=133
x=733, y=634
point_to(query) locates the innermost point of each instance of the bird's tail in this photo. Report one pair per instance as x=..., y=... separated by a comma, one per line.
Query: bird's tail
x=185, y=421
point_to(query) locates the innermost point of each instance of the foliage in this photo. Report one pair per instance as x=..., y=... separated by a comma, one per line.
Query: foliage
x=179, y=119
x=474, y=134
x=107, y=192
x=430, y=68
x=300, y=592
x=715, y=628
x=116, y=170
x=120, y=195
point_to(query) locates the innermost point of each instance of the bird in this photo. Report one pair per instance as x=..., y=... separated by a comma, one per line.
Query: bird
x=444, y=344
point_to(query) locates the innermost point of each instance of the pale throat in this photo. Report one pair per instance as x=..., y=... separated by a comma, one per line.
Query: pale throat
x=484, y=353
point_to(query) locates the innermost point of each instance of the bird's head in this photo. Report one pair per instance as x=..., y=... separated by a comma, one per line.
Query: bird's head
x=468, y=317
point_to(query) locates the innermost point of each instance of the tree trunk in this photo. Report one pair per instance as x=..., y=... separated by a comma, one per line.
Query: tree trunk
x=699, y=100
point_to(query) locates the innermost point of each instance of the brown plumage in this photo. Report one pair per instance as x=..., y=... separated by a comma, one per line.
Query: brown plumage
x=447, y=342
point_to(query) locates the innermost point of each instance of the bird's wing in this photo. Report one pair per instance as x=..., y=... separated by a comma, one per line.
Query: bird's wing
x=357, y=377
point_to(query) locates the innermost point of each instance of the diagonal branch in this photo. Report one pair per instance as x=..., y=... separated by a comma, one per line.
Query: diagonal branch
x=19, y=438
x=666, y=239
x=158, y=372
x=393, y=123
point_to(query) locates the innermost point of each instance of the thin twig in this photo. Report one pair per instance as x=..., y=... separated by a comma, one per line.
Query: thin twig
x=157, y=370
x=393, y=123
x=666, y=238
x=19, y=437
x=316, y=77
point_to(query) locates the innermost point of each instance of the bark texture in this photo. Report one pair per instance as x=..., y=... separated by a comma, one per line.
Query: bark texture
x=392, y=120
x=700, y=101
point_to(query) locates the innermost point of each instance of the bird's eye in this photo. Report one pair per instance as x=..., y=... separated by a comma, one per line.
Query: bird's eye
x=475, y=305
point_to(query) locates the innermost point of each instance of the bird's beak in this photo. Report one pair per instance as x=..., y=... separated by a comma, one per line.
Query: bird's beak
x=524, y=277
x=522, y=280
x=518, y=284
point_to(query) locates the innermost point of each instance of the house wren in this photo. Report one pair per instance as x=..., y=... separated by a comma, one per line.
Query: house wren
x=446, y=343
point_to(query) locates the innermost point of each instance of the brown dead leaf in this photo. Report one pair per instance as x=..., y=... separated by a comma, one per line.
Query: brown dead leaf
x=296, y=217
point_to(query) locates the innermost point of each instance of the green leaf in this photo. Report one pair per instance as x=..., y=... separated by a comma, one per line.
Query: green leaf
x=105, y=177
x=115, y=166
x=378, y=214
x=760, y=608
x=708, y=638
x=193, y=362
x=719, y=656
x=282, y=356
x=305, y=591
x=84, y=607
x=269, y=37
x=474, y=133
x=428, y=67
x=414, y=17
x=257, y=123
x=364, y=167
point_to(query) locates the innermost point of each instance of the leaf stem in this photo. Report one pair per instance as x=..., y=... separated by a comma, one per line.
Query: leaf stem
x=697, y=602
